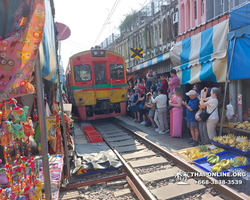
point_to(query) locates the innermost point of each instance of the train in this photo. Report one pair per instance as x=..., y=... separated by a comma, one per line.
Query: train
x=96, y=84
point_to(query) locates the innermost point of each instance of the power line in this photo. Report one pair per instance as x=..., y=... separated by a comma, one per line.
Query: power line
x=80, y=47
x=76, y=43
x=108, y=18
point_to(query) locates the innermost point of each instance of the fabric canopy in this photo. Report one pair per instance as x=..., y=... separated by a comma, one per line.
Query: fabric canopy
x=150, y=62
x=47, y=50
x=213, y=69
x=19, y=47
x=240, y=68
x=240, y=17
x=202, y=57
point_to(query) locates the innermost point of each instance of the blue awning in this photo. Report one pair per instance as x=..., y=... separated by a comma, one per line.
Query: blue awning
x=240, y=68
x=150, y=62
x=240, y=17
x=47, y=49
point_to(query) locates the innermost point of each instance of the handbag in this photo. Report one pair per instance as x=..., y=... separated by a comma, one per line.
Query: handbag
x=170, y=107
x=204, y=115
x=197, y=115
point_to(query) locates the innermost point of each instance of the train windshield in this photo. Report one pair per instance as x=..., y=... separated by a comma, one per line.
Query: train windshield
x=82, y=72
x=116, y=71
x=100, y=73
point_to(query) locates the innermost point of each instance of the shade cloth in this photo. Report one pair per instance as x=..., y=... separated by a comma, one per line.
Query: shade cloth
x=240, y=30
x=18, y=49
x=202, y=57
x=150, y=62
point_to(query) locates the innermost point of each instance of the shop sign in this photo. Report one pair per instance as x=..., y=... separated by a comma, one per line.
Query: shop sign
x=239, y=100
x=51, y=127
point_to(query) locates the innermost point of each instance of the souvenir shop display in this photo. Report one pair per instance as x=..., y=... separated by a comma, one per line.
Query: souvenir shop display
x=56, y=166
x=21, y=170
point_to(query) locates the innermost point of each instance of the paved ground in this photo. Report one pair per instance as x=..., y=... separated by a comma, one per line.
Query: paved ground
x=163, y=140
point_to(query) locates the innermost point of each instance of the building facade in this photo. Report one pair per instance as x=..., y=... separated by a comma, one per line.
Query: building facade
x=194, y=13
x=154, y=29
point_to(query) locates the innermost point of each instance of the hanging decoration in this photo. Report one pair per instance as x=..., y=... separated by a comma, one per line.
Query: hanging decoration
x=22, y=171
x=18, y=50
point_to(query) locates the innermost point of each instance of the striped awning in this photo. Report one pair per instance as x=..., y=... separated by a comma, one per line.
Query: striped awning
x=202, y=57
x=47, y=49
x=213, y=69
x=150, y=62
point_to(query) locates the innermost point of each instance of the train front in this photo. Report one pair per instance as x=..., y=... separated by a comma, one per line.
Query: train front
x=99, y=84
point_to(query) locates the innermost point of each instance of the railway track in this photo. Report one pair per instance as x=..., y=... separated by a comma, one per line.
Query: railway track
x=152, y=170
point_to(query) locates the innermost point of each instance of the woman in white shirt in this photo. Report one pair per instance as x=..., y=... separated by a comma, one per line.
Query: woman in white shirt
x=161, y=104
x=211, y=104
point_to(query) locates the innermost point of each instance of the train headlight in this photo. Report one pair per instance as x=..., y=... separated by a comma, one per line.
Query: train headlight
x=96, y=52
x=80, y=99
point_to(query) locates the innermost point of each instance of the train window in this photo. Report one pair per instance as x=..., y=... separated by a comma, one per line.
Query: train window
x=116, y=71
x=82, y=72
x=100, y=73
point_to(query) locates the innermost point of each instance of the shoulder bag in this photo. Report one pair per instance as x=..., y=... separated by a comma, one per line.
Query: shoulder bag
x=204, y=115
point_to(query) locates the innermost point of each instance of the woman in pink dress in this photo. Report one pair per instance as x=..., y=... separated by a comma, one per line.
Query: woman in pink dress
x=176, y=113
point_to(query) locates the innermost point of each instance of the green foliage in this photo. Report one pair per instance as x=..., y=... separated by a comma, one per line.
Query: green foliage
x=128, y=21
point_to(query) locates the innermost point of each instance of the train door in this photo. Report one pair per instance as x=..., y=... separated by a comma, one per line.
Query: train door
x=118, y=83
x=100, y=73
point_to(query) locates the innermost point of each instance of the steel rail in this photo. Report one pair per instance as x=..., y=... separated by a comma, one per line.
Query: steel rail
x=144, y=192
x=93, y=182
x=132, y=175
x=225, y=190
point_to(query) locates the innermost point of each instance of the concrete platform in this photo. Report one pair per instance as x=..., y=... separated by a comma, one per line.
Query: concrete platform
x=140, y=154
x=174, y=190
x=148, y=162
x=159, y=175
x=162, y=140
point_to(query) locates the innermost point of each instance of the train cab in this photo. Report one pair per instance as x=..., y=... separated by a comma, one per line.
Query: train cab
x=96, y=82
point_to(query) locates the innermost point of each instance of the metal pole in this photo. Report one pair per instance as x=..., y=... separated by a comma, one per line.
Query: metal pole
x=225, y=91
x=43, y=132
x=62, y=117
x=239, y=92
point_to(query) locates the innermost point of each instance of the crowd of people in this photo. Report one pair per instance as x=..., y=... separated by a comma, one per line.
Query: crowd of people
x=156, y=101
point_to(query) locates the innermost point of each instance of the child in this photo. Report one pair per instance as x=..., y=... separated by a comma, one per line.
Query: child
x=151, y=107
x=132, y=94
x=137, y=103
x=143, y=108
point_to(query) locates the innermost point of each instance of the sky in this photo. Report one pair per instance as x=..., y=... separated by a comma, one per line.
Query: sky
x=85, y=19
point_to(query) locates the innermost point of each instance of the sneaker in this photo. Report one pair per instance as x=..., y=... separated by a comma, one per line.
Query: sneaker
x=191, y=141
x=143, y=123
x=154, y=126
x=134, y=120
x=157, y=130
x=167, y=131
x=196, y=143
x=148, y=125
x=161, y=132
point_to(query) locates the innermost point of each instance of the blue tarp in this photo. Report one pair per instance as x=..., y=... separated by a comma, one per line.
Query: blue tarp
x=239, y=20
x=47, y=50
x=240, y=17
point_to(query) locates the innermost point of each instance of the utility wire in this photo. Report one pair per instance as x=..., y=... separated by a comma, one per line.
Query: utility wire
x=108, y=18
x=80, y=47
x=76, y=43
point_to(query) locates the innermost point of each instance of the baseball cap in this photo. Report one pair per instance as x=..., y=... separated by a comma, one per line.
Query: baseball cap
x=191, y=92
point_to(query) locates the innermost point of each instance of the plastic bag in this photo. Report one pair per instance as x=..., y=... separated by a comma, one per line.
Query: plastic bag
x=230, y=111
